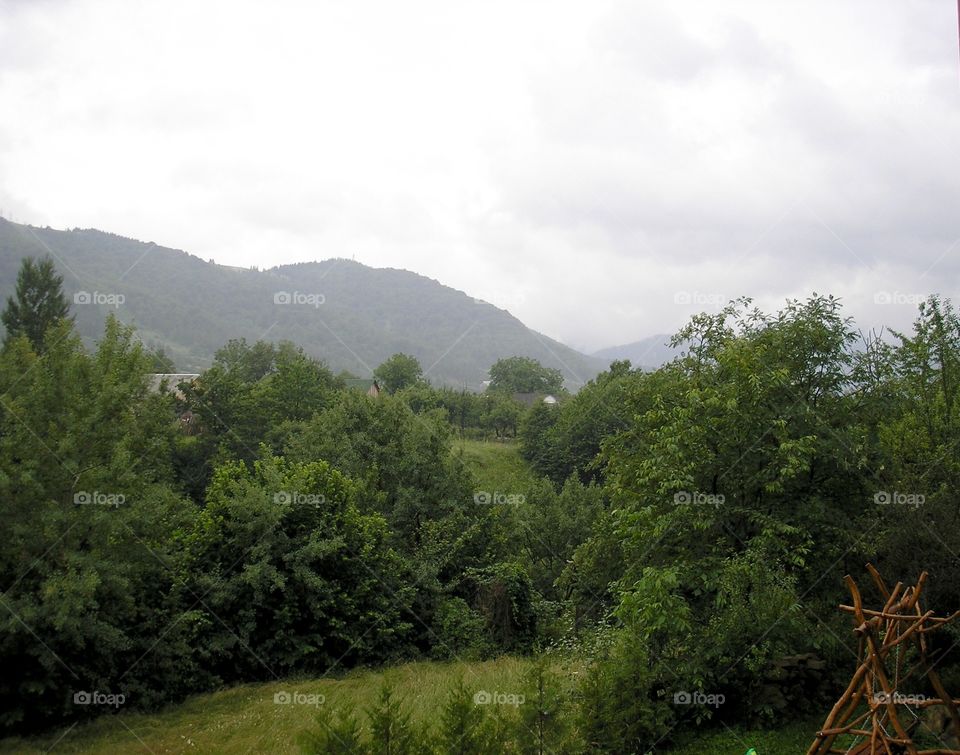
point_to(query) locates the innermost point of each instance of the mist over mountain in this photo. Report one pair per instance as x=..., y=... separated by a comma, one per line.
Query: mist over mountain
x=350, y=315
x=650, y=352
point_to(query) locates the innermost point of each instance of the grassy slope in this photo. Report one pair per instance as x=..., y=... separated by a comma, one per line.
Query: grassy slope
x=495, y=466
x=245, y=719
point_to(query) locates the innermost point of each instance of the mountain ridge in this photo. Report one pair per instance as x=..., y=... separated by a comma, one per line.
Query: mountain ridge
x=348, y=314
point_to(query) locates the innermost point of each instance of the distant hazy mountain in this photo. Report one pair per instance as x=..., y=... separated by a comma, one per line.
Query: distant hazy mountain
x=649, y=353
x=350, y=315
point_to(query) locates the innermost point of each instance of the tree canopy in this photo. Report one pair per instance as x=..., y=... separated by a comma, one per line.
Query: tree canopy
x=398, y=372
x=524, y=375
x=38, y=303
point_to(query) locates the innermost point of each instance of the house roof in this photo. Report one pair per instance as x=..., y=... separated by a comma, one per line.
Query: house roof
x=529, y=399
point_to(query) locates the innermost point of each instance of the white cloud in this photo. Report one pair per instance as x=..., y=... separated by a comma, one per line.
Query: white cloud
x=577, y=163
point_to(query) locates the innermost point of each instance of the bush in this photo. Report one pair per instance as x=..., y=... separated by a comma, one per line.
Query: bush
x=464, y=727
x=503, y=595
x=390, y=729
x=459, y=631
x=336, y=734
x=543, y=725
x=305, y=578
x=622, y=709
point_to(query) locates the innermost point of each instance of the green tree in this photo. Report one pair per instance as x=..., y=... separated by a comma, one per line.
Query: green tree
x=248, y=397
x=502, y=415
x=86, y=502
x=524, y=375
x=582, y=423
x=553, y=525
x=543, y=727
x=245, y=362
x=283, y=549
x=37, y=304
x=503, y=595
x=537, y=442
x=390, y=727
x=464, y=727
x=589, y=580
x=297, y=386
x=739, y=474
x=463, y=408
x=337, y=733
x=919, y=435
x=421, y=397
x=619, y=708
x=398, y=372
x=403, y=459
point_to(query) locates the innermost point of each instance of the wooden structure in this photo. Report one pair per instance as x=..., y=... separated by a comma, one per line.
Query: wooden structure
x=874, y=706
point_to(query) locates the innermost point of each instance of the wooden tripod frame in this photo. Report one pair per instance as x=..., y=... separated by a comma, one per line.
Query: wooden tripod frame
x=884, y=637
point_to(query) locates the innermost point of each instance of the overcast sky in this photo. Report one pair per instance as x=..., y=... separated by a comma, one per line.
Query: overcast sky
x=601, y=169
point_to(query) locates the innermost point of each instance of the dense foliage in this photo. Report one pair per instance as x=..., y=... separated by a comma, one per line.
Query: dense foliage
x=398, y=372
x=683, y=532
x=524, y=375
x=754, y=471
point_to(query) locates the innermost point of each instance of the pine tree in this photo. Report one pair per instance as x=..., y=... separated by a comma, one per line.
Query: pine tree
x=337, y=734
x=38, y=303
x=464, y=729
x=390, y=726
x=542, y=727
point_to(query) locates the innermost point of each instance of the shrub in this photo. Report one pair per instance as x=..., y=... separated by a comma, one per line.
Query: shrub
x=459, y=631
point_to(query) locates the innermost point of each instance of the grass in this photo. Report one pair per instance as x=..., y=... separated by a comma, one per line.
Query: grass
x=245, y=719
x=496, y=466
